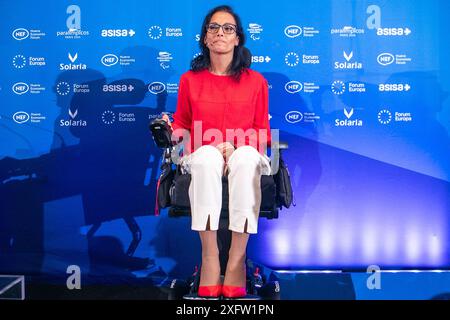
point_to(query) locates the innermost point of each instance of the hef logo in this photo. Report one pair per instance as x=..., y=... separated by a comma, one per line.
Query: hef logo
x=156, y=87
x=293, y=86
x=110, y=59
x=294, y=116
x=21, y=117
x=20, y=34
x=292, y=31
x=20, y=88
x=385, y=59
x=74, y=20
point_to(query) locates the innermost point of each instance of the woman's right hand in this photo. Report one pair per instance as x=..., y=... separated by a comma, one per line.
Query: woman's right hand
x=226, y=148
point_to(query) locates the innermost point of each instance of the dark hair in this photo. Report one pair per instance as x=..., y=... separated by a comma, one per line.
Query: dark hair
x=241, y=57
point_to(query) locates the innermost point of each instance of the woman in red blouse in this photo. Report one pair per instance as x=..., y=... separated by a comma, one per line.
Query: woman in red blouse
x=222, y=114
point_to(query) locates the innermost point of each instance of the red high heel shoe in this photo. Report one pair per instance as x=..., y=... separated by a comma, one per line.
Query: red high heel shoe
x=210, y=291
x=233, y=291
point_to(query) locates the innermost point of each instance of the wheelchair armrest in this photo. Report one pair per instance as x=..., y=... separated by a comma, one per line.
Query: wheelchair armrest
x=281, y=145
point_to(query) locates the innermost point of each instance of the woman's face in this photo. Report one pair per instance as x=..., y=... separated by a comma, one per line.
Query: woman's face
x=221, y=42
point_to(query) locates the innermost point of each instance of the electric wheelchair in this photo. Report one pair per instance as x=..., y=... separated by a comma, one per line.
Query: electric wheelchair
x=259, y=285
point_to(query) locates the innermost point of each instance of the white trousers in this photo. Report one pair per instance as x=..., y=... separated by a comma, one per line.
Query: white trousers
x=245, y=167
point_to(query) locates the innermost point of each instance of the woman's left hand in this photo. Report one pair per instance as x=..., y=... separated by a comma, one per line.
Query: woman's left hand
x=226, y=149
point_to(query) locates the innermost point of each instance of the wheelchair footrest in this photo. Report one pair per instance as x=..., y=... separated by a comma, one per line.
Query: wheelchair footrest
x=195, y=296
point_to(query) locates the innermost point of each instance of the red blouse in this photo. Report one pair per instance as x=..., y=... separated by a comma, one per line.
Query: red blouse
x=222, y=103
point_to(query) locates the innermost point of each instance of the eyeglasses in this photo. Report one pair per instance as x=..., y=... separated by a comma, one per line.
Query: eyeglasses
x=227, y=28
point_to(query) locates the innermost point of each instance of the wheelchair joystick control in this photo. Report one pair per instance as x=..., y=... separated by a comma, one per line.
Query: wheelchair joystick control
x=161, y=132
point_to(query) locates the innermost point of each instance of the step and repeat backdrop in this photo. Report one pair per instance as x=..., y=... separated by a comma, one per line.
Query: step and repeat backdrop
x=358, y=89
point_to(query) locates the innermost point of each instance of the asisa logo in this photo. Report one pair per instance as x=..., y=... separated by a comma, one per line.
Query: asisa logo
x=294, y=116
x=109, y=60
x=109, y=33
x=393, y=32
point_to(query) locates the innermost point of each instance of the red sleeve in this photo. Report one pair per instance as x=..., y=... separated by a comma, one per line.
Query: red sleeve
x=182, y=118
x=261, y=120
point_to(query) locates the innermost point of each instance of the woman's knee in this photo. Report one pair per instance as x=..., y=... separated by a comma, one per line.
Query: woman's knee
x=245, y=156
x=207, y=157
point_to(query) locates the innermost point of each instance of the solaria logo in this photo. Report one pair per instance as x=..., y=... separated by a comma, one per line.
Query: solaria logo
x=72, y=65
x=348, y=122
x=348, y=63
x=72, y=122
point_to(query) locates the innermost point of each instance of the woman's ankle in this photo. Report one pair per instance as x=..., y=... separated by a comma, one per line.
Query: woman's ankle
x=236, y=273
x=210, y=271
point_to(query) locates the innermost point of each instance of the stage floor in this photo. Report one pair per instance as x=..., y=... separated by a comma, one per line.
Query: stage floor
x=294, y=285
